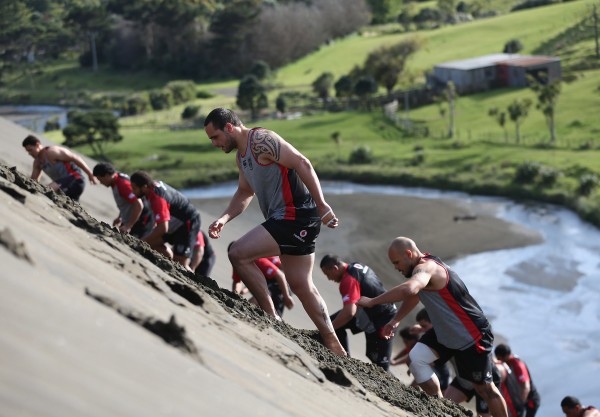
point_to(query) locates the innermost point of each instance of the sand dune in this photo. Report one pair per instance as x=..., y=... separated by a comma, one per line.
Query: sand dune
x=96, y=323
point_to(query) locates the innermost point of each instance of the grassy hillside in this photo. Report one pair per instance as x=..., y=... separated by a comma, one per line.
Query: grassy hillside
x=482, y=158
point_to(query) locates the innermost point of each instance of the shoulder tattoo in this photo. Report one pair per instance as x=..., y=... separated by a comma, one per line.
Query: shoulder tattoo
x=265, y=144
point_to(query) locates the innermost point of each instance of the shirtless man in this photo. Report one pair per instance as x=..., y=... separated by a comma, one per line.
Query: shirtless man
x=61, y=165
x=292, y=203
x=460, y=329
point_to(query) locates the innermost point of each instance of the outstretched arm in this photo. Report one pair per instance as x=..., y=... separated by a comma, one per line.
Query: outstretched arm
x=238, y=203
x=58, y=153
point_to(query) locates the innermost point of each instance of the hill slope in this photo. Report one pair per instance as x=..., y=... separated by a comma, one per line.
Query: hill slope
x=95, y=323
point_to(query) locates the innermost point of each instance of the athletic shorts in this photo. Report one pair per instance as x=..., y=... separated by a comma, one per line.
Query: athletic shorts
x=143, y=226
x=71, y=186
x=467, y=388
x=294, y=237
x=184, y=237
x=473, y=364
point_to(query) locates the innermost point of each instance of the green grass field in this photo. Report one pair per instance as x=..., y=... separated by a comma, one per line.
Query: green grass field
x=481, y=158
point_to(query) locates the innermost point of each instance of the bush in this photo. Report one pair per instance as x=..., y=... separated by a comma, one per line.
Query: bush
x=204, y=94
x=52, y=124
x=549, y=176
x=161, y=99
x=183, y=90
x=190, y=112
x=527, y=172
x=136, y=104
x=587, y=184
x=361, y=155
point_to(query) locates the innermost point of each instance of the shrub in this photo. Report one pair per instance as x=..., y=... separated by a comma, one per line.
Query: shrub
x=52, y=124
x=361, y=155
x=549, y=176
x=136, y=104
x=161, y=99
x=527, y=172
x=587, y=184
x=190, y=112
x=183, y=90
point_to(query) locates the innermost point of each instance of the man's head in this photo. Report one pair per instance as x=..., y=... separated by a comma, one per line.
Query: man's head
x=219, y=126
x=333, y=267
x=404, y=255
x=141, y=182
x=32, y=145
x=502, y=352
x=409, y=339
x=423, y=319
x=571, y=406
x=105, y=173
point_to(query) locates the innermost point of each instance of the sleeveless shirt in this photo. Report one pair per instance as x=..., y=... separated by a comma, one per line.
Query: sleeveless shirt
x=280, y=192
x=457, y=319
x=58, y=169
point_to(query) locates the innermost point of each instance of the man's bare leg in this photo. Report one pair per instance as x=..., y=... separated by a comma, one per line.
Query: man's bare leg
x=298, y=272
x=257, y=243
x=493, y=398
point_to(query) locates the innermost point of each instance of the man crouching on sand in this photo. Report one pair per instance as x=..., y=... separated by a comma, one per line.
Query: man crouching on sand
x=292, y=202
x=460, y=329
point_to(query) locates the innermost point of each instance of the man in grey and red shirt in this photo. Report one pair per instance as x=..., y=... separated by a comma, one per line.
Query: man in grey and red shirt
x=356, y=280
x=177, y=221
x=134, y=216
x=460, y=328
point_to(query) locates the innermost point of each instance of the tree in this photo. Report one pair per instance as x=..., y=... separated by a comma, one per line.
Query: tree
x=343, y=86
x=281, y=104
x=91, y=18
x=386, y=64
x=364, y=88
x=94, y=128
x=322, y=85
x=547, y=97
x=513, y=46
x=251, y=95
x=231, y=26
x=518, y=110
x=447, y=8
x=500, y=118
x=261, y=70
x=380, y=10
x=449, y=96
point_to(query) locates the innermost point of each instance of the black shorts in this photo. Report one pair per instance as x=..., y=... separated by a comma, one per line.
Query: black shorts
x=473, y=363
x=183, y=239
x=71, y=186
x=143, y=226
x=467, y=388
x=294, y=237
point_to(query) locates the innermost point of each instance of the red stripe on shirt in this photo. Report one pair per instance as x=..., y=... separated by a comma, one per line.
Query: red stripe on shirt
x=288, y=198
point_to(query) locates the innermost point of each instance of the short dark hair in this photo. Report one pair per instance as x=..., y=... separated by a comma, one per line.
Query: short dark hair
x=103, y=168
x=219, y=117
x=330, y=260
x=405, y=333
x=423, y=315
x=502, y=350
x=570, y=402
x=30, y=140
x=141, y=178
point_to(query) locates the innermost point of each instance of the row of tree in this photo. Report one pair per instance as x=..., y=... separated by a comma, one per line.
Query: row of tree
x=192, y=38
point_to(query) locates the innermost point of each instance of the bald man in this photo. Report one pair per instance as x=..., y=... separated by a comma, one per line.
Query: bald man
x=460, y=329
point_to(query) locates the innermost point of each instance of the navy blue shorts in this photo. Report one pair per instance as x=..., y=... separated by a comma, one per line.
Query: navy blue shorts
x=184, y=237
x=71, y=186
x=473, y=364
x=294, y=237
